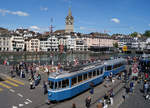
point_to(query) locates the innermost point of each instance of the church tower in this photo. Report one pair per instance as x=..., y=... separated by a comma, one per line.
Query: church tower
x=69, y=22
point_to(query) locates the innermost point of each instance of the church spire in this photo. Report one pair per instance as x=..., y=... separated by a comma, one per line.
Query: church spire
x=70, y=13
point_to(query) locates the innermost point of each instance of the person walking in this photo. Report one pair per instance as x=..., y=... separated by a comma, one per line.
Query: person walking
x=45, y=87
x=88, y=102
x=91, y=88
x=100, y=104
x=73, y=105
x=31, y=84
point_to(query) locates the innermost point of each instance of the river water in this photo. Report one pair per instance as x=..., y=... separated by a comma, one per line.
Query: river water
x=62, y=58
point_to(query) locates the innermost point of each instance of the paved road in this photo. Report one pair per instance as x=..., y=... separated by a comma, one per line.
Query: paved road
x=12, y=96
x=136, y=100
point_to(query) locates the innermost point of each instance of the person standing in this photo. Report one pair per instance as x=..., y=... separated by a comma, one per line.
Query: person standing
x=88, y=102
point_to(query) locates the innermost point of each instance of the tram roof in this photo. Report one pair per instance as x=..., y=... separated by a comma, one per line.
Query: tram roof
x=114, y=61
x=63, y=74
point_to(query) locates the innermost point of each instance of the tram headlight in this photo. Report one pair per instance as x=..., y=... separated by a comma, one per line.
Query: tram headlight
x=49, y=94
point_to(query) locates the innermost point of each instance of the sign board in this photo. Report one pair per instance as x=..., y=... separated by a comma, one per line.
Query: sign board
x=135, y=70
x=124, y=48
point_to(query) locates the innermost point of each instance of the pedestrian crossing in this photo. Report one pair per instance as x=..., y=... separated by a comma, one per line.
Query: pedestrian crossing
x=10, y=83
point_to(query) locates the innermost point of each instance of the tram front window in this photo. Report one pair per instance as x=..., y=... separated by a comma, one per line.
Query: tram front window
x=51, y=84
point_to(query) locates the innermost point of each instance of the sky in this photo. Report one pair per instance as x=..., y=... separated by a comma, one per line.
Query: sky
x=109, y=16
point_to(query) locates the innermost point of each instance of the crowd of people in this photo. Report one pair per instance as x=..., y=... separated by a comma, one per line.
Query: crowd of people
x=33, y=72
x=30, y=71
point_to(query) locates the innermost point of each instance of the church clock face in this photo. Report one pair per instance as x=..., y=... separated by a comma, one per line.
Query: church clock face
x=69, y=22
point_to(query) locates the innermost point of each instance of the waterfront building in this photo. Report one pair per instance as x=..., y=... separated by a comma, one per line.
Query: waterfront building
x=69, y=22
x=125, y=41
x=142, y=45
x=147, y=46
x=49, y=43
x=11, y=42
x=25, y=33
x=32, y=45
x=100, y=41
x=70, y=43
x=17, y=43
x=6, y=42
x=81, y=44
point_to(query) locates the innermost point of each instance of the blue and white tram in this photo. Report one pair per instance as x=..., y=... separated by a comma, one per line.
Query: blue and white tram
x=114, y=66
x=68, y=84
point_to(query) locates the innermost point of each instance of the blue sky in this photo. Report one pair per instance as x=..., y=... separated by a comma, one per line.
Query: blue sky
x=112, y=16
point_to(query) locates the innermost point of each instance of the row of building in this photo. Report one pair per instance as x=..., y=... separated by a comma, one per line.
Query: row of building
x=52, y=42
x=12, y=42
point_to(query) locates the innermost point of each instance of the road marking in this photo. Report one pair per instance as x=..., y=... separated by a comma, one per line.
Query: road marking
x=29, y=100
x=26, y=103
x=1, y=89
x=12, y=90
x=20, y=95
x=16, y=81
x=4, y=85
x=14, y=107
x=21, y=105
x=13, y=84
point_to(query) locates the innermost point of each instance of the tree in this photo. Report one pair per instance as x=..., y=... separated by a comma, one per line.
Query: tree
x=134, y=34
x=115, y=45
x=147, y=33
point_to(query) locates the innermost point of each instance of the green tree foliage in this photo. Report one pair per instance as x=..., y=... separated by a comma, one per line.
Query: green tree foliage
x=134, y=34
x=115, y=45
x=147, y=33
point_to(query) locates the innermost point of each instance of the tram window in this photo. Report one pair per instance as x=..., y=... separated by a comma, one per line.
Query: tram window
x=51, y=83
x=90, y=74
x=59, y=84
x=108, y=67
x=98, y=72
x=118, y=65
x=74, y=81
x=101, y=71
x=115, y=66
x=79, y=78
x=65, y=83
x=94, y=73
x=56, y=85
x=85, y=76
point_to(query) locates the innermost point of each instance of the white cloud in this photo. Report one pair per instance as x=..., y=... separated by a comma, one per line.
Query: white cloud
x=43, y=8
x=34, y=27
x=115, y=20
x=87, y=29
x=19, y=13
x=148, y=24
x=38, y=29
x=82, y=28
